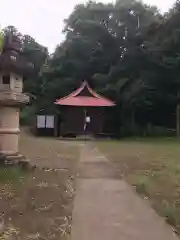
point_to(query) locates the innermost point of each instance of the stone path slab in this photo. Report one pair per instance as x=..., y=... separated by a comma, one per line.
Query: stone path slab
x=106, y=208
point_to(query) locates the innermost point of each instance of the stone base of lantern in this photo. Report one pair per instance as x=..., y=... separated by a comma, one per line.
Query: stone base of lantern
x=9, y=142
x=9, y=130
x=15, y=160
x=9, y=137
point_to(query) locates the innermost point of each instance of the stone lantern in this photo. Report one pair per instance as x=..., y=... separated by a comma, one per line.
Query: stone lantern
x=13, y=68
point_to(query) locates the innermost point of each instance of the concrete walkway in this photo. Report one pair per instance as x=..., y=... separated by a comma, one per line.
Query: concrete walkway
x=106, y=208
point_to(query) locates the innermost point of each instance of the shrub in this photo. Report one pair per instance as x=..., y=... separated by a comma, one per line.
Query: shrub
x=142, y=186
x=27, y=116
x=158, y=131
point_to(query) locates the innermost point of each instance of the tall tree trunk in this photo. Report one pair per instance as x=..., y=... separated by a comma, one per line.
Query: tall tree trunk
x=133, y=124
x=178, y=116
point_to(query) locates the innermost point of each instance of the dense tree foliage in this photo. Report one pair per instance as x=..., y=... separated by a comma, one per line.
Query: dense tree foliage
x=127, y=51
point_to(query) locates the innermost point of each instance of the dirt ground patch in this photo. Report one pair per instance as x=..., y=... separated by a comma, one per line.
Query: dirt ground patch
x=38, y=204
x=153, y=168
x=49, y=152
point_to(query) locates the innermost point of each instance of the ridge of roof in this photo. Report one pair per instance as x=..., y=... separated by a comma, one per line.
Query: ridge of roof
x=75, y=94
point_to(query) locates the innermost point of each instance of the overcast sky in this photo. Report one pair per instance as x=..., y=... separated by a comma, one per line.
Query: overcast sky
x=43, y=19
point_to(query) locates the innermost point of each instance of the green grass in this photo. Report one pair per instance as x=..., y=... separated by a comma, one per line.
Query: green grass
x=142, y=186
x=11, y=174
x=169, y=212
x=152, y=166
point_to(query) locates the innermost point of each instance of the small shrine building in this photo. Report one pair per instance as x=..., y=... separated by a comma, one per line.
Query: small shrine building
x=83, y=111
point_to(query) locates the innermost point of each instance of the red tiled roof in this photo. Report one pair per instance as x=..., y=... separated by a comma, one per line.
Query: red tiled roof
x=94, y=100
